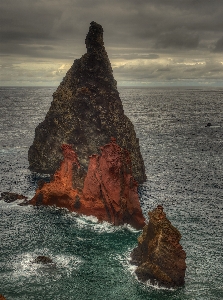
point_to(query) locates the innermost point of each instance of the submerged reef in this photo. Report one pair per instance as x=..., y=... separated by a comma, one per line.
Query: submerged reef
x=86, y=110
x=109, y=192
x=159, y=256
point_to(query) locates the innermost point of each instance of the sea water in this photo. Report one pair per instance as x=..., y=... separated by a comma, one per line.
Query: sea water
x=183, y=159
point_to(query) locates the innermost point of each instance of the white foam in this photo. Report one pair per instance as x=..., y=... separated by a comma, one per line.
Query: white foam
x=125, y=259
x=156, y=286
x=14, y=205
x=67, y=262
x=82, y=221
x=86, y=219
x=62, y=265
x=92, y=223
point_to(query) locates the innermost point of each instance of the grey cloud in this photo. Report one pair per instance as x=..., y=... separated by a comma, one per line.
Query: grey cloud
x=7, y=65
x=178, y=38
x=159, y=72
x=40, y=76
x=219, y=45
x=167, y=69
x=133, y=30
x=36, y=51
x=25, y=20
x=123, y=20
x=135, y=56
x=189, y=70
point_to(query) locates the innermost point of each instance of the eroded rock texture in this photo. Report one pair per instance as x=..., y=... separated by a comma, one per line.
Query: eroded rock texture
x=86, y=110
x=159, y=256
x=109, y=192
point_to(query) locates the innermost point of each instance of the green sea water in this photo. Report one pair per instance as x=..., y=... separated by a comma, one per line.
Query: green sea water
x=92, y=259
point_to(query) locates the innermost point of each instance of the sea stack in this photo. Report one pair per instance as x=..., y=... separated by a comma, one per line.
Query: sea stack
x=159, y=256
x=85, y=112
x=109, y=192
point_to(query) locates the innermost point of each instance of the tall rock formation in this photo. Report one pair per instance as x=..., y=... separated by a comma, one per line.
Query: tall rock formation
x=159, y=256
x=85, y=112
x=109, y=192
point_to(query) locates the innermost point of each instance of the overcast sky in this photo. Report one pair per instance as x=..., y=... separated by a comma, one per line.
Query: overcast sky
x=149, y=42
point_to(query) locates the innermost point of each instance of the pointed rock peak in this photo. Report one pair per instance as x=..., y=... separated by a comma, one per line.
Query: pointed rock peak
x=85, y=111
x=94, y=38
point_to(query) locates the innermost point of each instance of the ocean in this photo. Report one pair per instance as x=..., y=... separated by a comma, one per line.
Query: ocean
x=183, y=159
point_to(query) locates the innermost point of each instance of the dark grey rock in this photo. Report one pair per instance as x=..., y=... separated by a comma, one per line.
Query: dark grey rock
x=41, y=259
x=86, y=112
x=11, y=197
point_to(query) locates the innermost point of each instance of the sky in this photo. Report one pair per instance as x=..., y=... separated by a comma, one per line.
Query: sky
x=149, y=42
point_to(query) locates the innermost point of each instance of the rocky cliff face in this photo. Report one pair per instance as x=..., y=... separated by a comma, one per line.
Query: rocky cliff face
x=159, y=256
x=109, y=192
x=85, y=112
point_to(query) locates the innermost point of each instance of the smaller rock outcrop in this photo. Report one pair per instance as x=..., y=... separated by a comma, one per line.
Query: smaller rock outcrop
x=11, y=197
x=109, y=192
x=159, y=256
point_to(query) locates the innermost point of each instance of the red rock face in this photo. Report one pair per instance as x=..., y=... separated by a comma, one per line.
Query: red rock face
x=109, y=192
x=64, y=175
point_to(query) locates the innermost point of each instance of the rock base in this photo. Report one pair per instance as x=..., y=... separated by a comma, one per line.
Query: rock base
x=109, y=192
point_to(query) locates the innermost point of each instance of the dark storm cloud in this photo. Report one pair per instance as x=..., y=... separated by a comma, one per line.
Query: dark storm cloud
x=125, y=22
x=26, y=20
x=153, y=31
